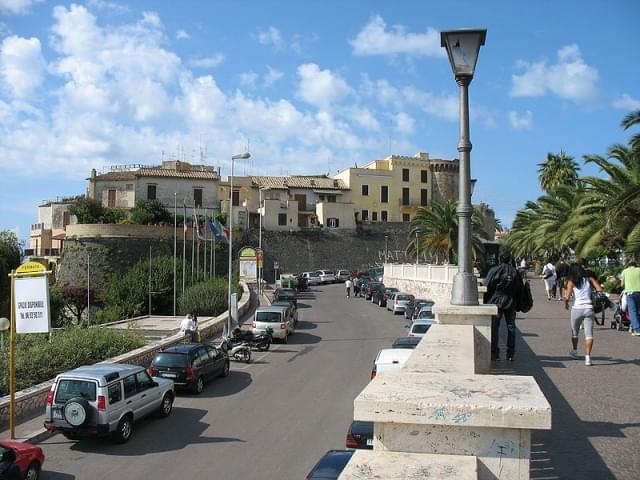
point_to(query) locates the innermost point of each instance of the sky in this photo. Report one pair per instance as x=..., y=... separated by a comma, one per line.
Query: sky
x=311, y=87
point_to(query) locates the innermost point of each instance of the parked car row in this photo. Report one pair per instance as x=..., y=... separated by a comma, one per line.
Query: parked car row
x=326, y=276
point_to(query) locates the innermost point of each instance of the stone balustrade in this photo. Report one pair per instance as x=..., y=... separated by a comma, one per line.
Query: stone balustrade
x=441, y=412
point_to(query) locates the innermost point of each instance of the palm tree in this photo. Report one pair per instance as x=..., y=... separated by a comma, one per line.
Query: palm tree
x=558, y=169
x=434, y=232
x=629, y=121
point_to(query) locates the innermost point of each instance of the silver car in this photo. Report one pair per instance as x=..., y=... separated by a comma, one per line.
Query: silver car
x=105, y=399
x=399, y=302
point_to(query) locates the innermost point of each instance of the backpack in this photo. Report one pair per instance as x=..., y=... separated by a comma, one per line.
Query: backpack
x=505, y=288
x=599, y=301
x=525, y=299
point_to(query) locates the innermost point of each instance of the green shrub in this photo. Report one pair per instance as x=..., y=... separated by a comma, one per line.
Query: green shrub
x=37, y=360
x=207, y=298
x=148, y=212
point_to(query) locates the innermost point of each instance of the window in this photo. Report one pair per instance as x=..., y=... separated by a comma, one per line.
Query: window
x=66, y=219
x=384, y=194
x=365, y=215
x=365, y=190
x=405, y=217
x=384, y=216
x=213, y=353
x=374, y=216
x=111, y=199
x=129, y=187
x=282, y=219
x=144, y=381
x=424, y=197
x=115, y=393
x=151, y=192
x=331, y=198
x=129, y=386
x=424, y=176
x=333, y=222
x=200, y=357
x=67, y=389
x=405, y=174
x=405, y=196
x=197, y=197
x=235, y=197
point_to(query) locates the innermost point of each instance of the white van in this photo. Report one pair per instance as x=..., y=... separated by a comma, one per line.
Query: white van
x=390, y=360
x=313, y=278
x=278, y=318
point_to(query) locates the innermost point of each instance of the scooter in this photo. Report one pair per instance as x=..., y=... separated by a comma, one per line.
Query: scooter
x=261, y=341
x=240, y=351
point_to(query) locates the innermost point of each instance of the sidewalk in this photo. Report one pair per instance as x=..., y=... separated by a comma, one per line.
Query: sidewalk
x=596, y=410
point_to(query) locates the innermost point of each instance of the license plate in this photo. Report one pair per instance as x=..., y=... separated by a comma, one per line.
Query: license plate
x=369, y=442
x=168, y=375
x=57, y=414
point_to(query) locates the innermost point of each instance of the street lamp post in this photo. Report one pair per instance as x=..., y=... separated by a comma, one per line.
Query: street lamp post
x=462, y=48
x=240, y=156
x=260, y=242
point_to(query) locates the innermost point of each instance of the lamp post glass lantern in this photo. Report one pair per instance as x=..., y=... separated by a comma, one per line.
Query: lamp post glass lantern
x=463, y=47
x=240, y=156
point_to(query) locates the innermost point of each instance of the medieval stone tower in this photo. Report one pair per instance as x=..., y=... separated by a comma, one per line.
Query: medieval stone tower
x=445, y=179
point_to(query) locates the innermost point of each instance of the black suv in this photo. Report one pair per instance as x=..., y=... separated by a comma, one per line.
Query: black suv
x=360, y=435
x=285, y=294
x=190, y=365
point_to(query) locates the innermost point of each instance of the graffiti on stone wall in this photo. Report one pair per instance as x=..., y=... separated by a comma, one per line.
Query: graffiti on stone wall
x=398, y=256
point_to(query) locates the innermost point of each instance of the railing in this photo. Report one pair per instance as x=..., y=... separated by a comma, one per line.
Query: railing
x=420, y=272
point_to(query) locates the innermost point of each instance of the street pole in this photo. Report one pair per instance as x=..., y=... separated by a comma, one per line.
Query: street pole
x=149, y=279
x=417, y=252
x=386, y=248
x=175, y=246
x=12, y=360
x=88, y=291
x=260, y=243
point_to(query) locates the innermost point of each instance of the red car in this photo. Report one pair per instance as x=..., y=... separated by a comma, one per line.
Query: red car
x=29, y=458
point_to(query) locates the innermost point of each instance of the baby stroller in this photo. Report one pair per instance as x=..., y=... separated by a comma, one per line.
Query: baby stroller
x=620, y=320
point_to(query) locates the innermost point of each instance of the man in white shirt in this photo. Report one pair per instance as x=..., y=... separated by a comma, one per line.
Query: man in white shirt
x=347, y=284
x=187, y=326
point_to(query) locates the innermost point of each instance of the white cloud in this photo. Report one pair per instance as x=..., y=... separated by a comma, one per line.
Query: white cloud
x=444, y=106
x=249, y=79
x=271, y=36
x=21, y=64
x=364, y=118
x=570, y=78
x=321, y=88
x=522, y=121
x=17, y=7
x=207, y=62
x=272, y=76
x=375, y=39
x=182, y=35
x=404, y=123
x=111, y=7
x=626, y=102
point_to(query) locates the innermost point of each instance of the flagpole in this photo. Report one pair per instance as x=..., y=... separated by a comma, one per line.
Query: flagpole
x=212, y=252
x=175, y=246
x=204, y=267
x=184, y=244
x=193, y=248
x=197, y=247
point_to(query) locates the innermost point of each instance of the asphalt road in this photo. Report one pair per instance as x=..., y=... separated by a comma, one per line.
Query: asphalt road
x=272, y=419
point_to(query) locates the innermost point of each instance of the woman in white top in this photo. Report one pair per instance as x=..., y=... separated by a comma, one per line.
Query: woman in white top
x=549, y=276
x=579, y=288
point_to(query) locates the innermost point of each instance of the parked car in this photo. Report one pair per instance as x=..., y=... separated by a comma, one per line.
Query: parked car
x=406, y=342
x=278, y=318
x=29, y=458
x=293, y=308
x=381, y=297
x=419, y=327
x=360, y=435
x=331, y=465
x=327, y=276
x=285, y=294
x=370, y=287
x=425, y=313
x=414, y=306
x=312, y=278
x=399, y=303
x=105, y=399
x=190, y=365
x=342, y=275
x=389, y=360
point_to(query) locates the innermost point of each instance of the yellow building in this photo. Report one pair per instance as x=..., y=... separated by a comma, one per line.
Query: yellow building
x=392, y=189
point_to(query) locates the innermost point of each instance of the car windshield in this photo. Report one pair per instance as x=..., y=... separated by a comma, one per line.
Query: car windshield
x=281, y=303
x=314, y=274
x=420, y=328
x=286, y=293
x=403, y=297
x=68, y=389
x=272, y=317
x=166, y=359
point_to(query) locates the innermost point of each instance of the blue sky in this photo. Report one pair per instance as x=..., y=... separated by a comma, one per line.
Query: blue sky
x=312, y=86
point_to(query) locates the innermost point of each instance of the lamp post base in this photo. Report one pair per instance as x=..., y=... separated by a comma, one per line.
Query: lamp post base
x=465, y=289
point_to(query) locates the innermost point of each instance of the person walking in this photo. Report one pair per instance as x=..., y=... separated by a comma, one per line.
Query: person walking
x=347, y=284
x=523, y=268
x=549, y=277
x=356, y=286
x=504, y=289
x=187, y=326
x=631, y=286
x=579, y=288
x=562, y=270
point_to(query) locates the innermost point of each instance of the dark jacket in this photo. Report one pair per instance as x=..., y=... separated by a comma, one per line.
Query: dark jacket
x=10, y=471
x=504, y=287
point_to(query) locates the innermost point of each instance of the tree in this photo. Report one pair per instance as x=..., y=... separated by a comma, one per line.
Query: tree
x=74, y=301
x=148, y=212
x=436, y=230
x=10, y=258
x=558, y=169
x=87, y=210
x=629, y=121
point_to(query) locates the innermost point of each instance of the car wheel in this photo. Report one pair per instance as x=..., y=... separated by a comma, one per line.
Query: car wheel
x=225, y=370
x=33, y=472
x=199, y=386
x=166, y=406
x=124, y=431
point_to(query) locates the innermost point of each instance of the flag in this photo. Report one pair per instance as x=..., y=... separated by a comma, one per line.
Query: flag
x=197, y=226
x=221, y=233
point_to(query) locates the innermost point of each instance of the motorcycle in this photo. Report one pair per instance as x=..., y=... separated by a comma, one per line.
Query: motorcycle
x=260, y=341
x=237, y=350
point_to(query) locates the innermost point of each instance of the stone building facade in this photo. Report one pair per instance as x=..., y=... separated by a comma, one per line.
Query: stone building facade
x=47, y=235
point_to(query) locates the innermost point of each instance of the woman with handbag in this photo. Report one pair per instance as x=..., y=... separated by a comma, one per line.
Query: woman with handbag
x=582, y=312
x=549, y=276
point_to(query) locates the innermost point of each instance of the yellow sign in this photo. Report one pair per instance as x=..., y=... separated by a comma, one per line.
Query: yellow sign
x=248, y=252
x=31, y=267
